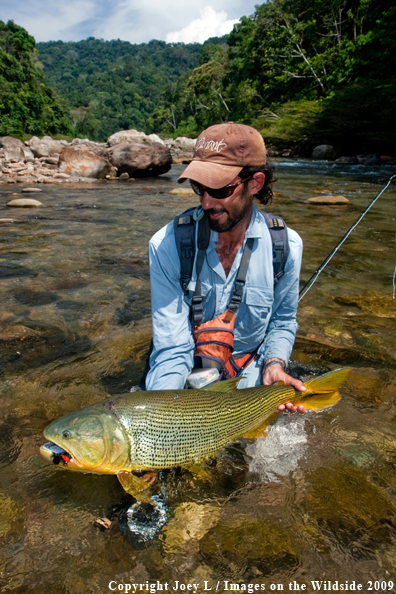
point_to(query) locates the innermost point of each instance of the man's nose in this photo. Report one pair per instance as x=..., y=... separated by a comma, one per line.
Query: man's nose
x=208, y=202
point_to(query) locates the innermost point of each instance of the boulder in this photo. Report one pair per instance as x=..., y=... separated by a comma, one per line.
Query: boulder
x=12, y=149
x=155, y=138
x=53, y=160
x=324, y=152
x=127, y=136
x=387, y=159
x=83, y=163
x=28, y=155
x=327, y=200
x=99, y=148
x=351, y=160
x=184, y=143
x=368, y=159
x=25, y=203
x=184, y=157
x=140, y=159
x=44, y=147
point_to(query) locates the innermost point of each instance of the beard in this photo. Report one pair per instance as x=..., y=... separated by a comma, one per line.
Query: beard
x=235, y=214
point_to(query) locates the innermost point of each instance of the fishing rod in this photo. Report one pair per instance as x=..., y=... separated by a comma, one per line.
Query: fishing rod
x=315, y=275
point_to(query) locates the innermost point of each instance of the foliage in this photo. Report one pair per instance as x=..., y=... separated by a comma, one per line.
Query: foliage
x=27, y=105
x=116, y=85
x=303, y=72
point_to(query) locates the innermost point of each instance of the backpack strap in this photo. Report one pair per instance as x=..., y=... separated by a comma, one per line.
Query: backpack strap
x=280, y=244
x=239, y=285
x=185, y=225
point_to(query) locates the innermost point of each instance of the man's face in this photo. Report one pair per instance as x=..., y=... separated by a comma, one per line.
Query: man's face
x=226, y=213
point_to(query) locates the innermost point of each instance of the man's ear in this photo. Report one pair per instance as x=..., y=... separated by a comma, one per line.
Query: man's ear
x=257, y=182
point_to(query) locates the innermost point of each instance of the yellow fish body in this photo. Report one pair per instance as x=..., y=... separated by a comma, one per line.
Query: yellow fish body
x=168, y=428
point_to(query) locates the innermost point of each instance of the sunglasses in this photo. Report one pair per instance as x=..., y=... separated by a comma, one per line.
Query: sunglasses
x=218, y=193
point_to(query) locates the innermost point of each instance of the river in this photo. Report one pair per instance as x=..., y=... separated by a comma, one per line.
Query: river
x=315, y=500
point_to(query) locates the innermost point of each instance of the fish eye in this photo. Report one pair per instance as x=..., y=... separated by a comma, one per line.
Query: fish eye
x=66, y=434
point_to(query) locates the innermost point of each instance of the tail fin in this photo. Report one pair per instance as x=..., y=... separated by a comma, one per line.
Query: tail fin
x=324, y=389
x=327, y=383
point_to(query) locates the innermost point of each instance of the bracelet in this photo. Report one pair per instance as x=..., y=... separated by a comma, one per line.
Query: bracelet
x=274, y=363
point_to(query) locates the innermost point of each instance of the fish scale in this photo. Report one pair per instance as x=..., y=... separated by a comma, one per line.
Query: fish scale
x=166, y=431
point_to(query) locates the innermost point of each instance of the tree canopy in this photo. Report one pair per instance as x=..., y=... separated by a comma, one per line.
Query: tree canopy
x=27, y=104
x=301, y=71
x=115, y=85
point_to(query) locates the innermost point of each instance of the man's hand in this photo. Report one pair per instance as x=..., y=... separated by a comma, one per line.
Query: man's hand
x=275, y=373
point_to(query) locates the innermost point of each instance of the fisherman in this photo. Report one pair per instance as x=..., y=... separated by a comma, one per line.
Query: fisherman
x=237, y=299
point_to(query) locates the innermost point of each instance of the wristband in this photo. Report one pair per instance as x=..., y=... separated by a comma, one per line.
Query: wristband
x=274, y=363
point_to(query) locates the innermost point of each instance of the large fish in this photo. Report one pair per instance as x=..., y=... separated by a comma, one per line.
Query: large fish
x=168, y=428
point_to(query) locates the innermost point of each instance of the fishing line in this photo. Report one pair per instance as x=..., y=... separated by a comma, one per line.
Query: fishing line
x=315, y=275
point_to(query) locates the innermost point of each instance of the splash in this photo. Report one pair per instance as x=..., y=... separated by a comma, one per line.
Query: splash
x=278, y=453
x=144, y=520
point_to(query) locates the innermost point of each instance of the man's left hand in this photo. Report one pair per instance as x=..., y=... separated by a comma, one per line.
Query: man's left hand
x=275, y=373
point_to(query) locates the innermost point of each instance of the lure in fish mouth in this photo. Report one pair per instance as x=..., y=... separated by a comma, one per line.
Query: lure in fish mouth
x=55, y=454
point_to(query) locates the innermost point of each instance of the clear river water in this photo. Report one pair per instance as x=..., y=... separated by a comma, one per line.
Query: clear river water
x=313, y=501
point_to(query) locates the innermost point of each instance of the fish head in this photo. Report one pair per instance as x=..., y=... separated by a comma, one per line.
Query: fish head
x=87, y=440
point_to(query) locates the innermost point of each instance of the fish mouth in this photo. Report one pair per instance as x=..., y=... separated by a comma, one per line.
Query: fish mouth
x=55, y=454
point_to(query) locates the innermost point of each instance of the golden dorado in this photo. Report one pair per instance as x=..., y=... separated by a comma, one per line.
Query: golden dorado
x=168, y=428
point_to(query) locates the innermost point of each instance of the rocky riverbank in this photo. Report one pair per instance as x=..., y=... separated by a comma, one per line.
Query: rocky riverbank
x=126, y=155
x=327, y=152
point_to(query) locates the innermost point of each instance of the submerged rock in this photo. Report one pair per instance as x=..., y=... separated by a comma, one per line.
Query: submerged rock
x=328, y=200
x=182, y=192
x=25, y=203
x=381, y=306
x=351, y=160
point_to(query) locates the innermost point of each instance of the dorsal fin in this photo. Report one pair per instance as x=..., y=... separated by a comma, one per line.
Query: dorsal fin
x=225, y=386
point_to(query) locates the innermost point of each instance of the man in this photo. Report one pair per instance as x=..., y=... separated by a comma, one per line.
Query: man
x=225, y=155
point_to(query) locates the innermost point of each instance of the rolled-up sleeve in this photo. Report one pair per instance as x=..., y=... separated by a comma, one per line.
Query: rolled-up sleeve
x=172, y=357
x=282, y=327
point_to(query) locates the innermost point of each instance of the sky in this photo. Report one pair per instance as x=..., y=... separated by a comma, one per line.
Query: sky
x=137, y=21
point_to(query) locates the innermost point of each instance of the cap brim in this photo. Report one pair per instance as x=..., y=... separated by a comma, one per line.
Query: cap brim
x=212, y=175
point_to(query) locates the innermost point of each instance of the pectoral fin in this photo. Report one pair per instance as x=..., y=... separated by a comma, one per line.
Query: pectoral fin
x=259, y=431
x=136, y=486
x=198, y=471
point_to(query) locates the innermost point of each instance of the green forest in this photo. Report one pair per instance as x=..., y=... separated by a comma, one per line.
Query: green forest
x=303, y=72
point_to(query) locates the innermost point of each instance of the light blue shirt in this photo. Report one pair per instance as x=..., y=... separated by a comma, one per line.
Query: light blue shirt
x=265, y=317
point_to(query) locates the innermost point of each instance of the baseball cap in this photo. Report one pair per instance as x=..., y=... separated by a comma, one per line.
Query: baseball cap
x=222, y=151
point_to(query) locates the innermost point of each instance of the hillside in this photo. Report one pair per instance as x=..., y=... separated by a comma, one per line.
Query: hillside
x=303, y=72
x=27, y=104
x=115, y=85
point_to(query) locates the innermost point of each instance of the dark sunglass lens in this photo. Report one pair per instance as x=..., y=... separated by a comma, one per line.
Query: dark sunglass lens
x=220, y=193
x=197, y=187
